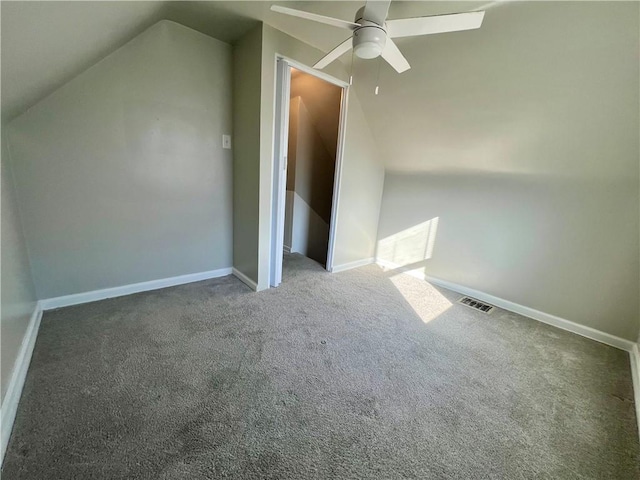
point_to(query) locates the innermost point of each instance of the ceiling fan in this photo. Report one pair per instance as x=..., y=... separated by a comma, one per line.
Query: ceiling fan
x=373, y=33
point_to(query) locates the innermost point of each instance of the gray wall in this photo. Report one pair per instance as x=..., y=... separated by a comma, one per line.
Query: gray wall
x=121, y=175
x=247, y=60
x=18, y=293
x=561, y=246
x=360, y=191
x=522, y=139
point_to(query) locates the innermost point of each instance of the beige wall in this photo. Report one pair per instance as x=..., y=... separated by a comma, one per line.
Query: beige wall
x=310, y=165
x=559, y=246
x=292, y=142
x=121, y=175
x=522, y=139
x=308, y=233
x=18, y=293
x=360, y=192
x=322, y=100
x=247, y=64
x=310, y=176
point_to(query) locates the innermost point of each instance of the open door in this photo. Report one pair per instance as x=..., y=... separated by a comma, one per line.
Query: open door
x=281, y=160
x=283, y=87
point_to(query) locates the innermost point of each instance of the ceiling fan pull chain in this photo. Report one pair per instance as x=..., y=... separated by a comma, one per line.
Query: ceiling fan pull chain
x=351, y=71
x=378, y=76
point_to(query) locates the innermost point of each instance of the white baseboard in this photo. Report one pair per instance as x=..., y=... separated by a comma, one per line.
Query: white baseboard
x=244, y=279
x=350, y=265
x=543, y=317
x=11, y=400
x=16, y=383
x=286, y=248
x=86, y=297
x=634, y=358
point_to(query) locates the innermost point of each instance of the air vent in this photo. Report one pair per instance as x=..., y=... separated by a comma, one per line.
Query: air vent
x=476, y=304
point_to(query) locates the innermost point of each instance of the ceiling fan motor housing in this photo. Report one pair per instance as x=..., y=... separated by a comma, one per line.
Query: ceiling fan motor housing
x=369, y=39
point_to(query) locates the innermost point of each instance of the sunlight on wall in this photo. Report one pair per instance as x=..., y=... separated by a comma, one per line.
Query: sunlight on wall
x=410, y=248
x=423, y=297
x=412, y=245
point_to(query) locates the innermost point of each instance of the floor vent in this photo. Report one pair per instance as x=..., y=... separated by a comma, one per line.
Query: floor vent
x=476, y=304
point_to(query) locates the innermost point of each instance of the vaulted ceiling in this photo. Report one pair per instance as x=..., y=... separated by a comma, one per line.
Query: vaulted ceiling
x=514, y=97
x=45, y=44
x=542, y=88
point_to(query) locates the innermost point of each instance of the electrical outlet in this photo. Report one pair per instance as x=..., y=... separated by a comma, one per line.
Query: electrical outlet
x=226, y=142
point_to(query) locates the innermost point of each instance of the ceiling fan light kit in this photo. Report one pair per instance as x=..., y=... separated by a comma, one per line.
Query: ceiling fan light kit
x=369, y=41
x=373, y=33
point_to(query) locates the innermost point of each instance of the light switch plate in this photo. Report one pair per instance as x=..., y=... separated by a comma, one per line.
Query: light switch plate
x=226, y=142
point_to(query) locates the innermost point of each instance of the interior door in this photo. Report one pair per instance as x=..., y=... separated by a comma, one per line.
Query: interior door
x=283, y=87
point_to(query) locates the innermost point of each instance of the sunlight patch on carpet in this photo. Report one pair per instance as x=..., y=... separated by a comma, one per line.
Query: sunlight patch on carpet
x=423, y=297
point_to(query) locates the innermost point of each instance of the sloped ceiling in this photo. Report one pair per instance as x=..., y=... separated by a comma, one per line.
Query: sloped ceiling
x=322, y=100
x=45, y=44
x=543, y=88
x=490, y=100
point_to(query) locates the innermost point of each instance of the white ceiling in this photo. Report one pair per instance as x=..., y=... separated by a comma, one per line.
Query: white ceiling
x=45, y=44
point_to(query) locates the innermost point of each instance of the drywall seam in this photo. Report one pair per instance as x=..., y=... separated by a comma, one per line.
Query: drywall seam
x=18, y=376
x=92, y=296
x=543, y=317
x=244, y=279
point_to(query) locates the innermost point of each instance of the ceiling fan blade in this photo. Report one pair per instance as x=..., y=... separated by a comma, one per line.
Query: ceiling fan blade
x=408, y=27
x=336, y=22
x=376, y=11
x=394, y=57
x=334, y=54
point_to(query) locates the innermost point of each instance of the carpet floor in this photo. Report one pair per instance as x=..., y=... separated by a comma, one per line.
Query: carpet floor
x=360, y=374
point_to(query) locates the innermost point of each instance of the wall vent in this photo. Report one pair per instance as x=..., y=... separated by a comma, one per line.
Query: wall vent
x=476, y=304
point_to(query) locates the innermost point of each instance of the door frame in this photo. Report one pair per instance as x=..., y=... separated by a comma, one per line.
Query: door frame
x=280, y=144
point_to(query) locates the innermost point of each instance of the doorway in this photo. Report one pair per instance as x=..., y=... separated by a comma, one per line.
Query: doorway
x=310, y=119
x=314, y=116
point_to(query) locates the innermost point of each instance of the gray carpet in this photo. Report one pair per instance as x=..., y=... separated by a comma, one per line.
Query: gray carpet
x=361, y=374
